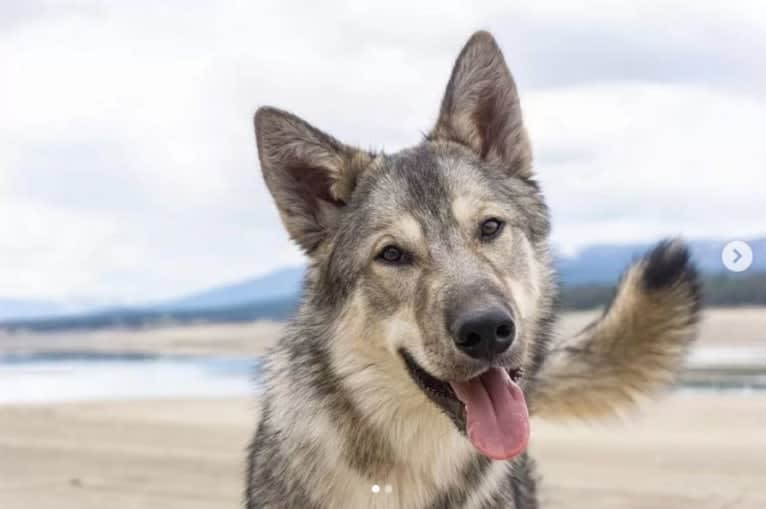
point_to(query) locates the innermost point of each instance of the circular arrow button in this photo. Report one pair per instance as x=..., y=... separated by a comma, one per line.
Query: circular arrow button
x=737, y=256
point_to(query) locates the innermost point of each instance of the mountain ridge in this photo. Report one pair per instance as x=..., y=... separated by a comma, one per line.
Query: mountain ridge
x=598, y=264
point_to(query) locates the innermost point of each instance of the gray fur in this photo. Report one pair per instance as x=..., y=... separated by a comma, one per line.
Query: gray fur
x=341, y=409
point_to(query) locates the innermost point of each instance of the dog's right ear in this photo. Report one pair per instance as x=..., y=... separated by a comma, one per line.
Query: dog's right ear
x=481, y=108
x=309, y=173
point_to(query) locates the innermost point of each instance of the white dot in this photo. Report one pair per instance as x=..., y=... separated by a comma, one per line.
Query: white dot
x=375, y=488
x=388, y=488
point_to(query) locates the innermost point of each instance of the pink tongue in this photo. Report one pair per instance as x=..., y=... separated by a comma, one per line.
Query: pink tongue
x=497, y=420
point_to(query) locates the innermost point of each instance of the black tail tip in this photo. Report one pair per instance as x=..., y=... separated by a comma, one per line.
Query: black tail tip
x=668, y=264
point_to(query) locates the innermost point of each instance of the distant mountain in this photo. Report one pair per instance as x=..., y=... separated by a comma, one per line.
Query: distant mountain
x=31, y=308
x=594, y=265
x=603, y=264
x=273, y=296
x=597, y=264
x=276, y=285
x=589, y=274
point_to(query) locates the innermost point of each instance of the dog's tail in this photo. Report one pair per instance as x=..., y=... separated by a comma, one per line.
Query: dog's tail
x=635, y=348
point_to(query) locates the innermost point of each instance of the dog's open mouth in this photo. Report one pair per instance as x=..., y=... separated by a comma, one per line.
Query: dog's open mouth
x=489, y=408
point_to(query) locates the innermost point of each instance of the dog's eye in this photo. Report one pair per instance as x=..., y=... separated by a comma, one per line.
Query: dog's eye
x=392, y=254
x=491, y=228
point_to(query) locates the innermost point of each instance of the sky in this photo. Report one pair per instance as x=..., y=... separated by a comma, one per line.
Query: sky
x=128, y=167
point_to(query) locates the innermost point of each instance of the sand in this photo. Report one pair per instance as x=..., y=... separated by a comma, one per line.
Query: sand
x=158, y=454
x=689, y=450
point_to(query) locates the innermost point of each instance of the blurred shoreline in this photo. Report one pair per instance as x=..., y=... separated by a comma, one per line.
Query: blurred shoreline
x=720, y=327
x=730, y=351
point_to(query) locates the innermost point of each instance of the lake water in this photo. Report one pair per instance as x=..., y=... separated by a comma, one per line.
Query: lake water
x=54, y=377
x=735, y=357
x=47, y=377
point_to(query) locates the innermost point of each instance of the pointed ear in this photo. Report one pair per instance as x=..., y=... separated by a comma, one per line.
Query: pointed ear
x=481, y=108
x=310, y=174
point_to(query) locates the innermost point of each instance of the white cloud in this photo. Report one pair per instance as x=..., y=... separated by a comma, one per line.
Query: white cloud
x=128, y=166
x=45, y=248
x=659, y=160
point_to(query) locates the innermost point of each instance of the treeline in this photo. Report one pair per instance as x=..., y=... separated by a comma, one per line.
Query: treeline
x=718, y=291
x=721, y=290
x=277, y=310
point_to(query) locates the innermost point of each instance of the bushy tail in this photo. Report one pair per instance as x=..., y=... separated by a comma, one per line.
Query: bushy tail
x=631, y=351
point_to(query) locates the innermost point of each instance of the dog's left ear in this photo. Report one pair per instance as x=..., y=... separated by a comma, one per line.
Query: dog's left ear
x=310, y=174
x=481, y=108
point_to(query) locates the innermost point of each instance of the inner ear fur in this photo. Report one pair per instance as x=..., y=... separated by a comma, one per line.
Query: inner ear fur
x=310, y=174
x=481, y=108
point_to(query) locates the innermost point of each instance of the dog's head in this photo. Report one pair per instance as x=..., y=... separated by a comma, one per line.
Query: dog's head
x=436, y=253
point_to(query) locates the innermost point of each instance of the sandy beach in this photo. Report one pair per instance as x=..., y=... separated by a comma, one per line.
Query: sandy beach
x=689, y=449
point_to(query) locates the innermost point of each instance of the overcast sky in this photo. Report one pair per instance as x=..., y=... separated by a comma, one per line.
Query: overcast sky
x=128, y=168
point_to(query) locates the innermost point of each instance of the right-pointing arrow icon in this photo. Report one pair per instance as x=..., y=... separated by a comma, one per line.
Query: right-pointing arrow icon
x=738, y=256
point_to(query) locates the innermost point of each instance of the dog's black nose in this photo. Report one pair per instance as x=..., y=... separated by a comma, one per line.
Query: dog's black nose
x=484, y=333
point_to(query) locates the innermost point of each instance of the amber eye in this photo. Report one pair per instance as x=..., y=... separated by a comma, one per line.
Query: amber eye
x=491, y=228
x=392, y=254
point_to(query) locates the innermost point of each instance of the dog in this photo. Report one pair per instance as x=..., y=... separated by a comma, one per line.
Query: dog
x=423, y=341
